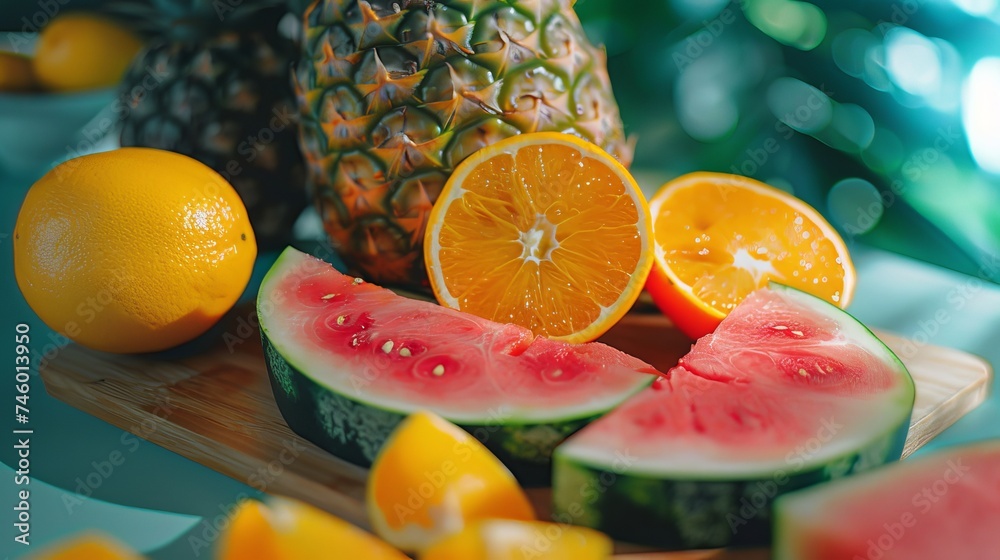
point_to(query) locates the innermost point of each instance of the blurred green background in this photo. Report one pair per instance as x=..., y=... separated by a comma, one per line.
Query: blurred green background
x=881, y=113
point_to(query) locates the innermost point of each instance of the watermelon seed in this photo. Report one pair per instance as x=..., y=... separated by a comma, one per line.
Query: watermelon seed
x=780, y=328
x=358, y=281
x=405, y=352
x=803, y=372
x=438, y=370
x=328, y=296
x=387, y=347
x=355, y=342
x=797, y=333
x=341, y=319
x=557, y=373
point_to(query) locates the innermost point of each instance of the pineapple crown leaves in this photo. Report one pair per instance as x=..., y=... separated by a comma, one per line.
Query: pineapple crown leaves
x=193, y=19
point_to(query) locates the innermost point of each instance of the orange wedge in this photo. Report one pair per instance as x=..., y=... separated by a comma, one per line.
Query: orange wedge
x=88, y=546
x=543, y=230
x=719, y=237
x=431, y=478
x=287, y=529
x=503, y=539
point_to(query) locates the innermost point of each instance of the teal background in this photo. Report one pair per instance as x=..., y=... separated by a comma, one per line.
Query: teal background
x=157, y=501
x=13, y=10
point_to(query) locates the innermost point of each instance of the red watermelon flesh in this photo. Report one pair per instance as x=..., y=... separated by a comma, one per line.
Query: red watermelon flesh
x=402, y=354
x=767, y=341
x=774, y=375
x=939, y=506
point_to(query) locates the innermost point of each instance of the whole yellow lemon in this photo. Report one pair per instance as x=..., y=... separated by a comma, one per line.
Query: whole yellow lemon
x=133, y=250
x=79, y=51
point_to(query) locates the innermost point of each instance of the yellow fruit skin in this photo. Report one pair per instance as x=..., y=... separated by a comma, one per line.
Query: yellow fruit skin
x=249, y=535
x=500, y=539
x=286, y=529
x=466, y=544
x=80, y=51
x=432, y=478
x=88, y=546
x=133, y=250
x=16, y=73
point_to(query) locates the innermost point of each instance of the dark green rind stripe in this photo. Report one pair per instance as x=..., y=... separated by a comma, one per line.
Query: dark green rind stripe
x=346, y=428
x=693, y=513
x=355, y=431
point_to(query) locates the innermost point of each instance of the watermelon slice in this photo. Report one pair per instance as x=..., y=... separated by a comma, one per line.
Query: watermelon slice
x=789, y=391
x=942, y=505
x=349, y=360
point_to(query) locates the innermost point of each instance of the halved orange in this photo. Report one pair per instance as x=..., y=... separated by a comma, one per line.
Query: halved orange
x=719, y=237
x=544, y=230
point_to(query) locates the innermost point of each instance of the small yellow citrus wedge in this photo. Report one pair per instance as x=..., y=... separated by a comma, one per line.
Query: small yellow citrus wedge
x=286, y=529
x=250, y=534
x=88, y=546
x=502, y=539
x=432, y=478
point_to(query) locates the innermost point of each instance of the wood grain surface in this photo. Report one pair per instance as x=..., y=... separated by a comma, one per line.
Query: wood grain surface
x=216, y=408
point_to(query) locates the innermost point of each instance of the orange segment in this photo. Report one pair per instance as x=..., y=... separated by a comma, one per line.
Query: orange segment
x=286, y=529
x=719, y=237
x=432, y=478
x=88, y=546
x=501, y=539
x=543, y=230
x=249, y=535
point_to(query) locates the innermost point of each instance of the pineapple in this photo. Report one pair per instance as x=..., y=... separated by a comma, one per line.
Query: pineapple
x=394, y=94
x=224, y=96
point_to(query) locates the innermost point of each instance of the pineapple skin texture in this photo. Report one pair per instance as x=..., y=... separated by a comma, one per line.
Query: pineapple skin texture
x=394, y=94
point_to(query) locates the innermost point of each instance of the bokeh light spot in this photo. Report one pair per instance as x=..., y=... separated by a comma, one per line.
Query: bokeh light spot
x=799, y=105
x=797, y=24
x=855, y=205
x=981, y=113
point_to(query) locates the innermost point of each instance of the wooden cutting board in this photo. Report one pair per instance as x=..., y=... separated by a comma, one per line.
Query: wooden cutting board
x=216, y=408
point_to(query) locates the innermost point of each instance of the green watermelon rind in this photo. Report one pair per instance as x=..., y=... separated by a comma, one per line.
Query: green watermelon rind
x=698, y=510
x=354, y=429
